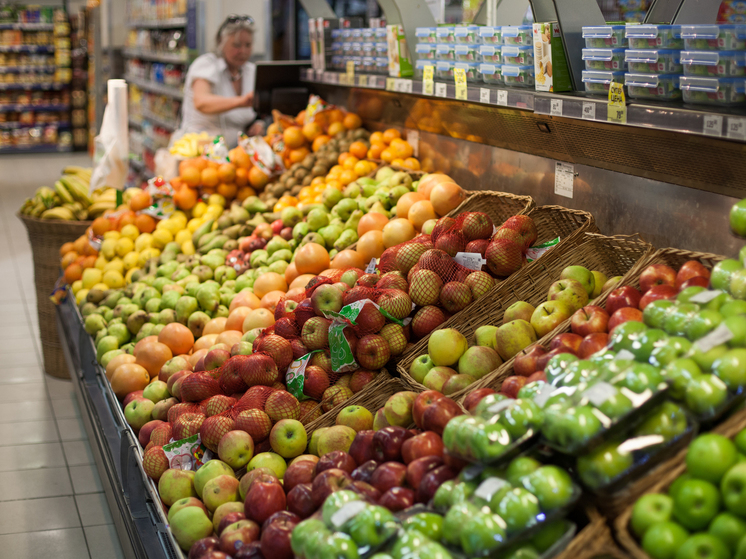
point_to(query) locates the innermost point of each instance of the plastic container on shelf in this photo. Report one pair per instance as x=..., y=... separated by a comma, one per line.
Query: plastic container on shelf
x=604, y=59
x=491, y=35
x=653, y=61
x=518, y=76
x=336, y=47
x=517, y=34
x=662, y=87
x=444, y=34
x=599, y=81
x=604, y=36
x=357, y=34
x=380, y=34
x=713, y=91
x=382, y=50
x=444, y=69
x=490, y=73
x=337, y=62
x=466, y=34
x=369, y=35
x=465, y=53
x=654, y=36
x=426, y=35
x=518, y=55
x=382, y=65
x=369, y=49
x=419, y=67
x=347, y=35
x=445, y=52
x=490, y=54
x=425, y=51
x=357, y=49
x=368, y=64
x=336, y=35
x=714, y=37
x=724, y=63
x=471, y=69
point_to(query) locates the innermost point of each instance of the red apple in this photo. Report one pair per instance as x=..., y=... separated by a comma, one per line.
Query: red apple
x=246, y=531
x=361, y=449
x=421, y=402
x=228, y=519
x=699, y=281
x=424, y=444
x=525, y=362
x=454, y=462
x=417, y=469
x=689, y=270
x=397, y=498
x=657, y=274
x=251, y=551
x=439, y=413
x=593, y=343
x=336, y=459
x=364, y=472
x=542, y=361
x=263, y=500
x=300, y=500
x=512, y=385
x=566, y=340
x=473, y=398
x=388, y=475
x=299, y=472
x=623, y=315
x=281, y=516
x=276, y=539
x=366, y=489
x=432, y=480
x=657, y=292
x=621, y=297
x=387, y=443
x=589, y=320
x=201, y=548
x=327, y=483
x=536, y=377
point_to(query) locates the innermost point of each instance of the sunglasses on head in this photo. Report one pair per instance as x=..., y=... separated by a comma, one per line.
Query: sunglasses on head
x=235, y=18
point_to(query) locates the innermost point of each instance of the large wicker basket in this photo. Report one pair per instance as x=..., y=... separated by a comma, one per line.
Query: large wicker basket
x=498, y=205
x=46, y=238
x=611, y=255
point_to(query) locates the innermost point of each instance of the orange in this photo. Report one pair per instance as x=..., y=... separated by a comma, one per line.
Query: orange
x=73, y=272
x=301, y=118
x=241, y=159
x=145, y=223
x=320, y=141
x=387, y=155
x=420, y=212
x=183, y=165
x=336, y=128
x=208, y=190
x=335, y=115
x=141, y=199
x=293, y=137
x=68, y=259
x=401, y=148
x=390, y=135
x=126, y=219
x=311, y=258
x=129, y=377
x=212, y=164
x=270, y=281
x=375, y=151
x=317, y=180
x=80, y=244
x=399, y=162
x=209, y=178
x=244, y=192
x=65, y=248
x=200, y=163
x=311, y=131
x=273, y=129
x=372, y=221
x=190, y=177
x=376, y=138
x=371, y=245
x=227, y=190
x=100, y=226
x=352, y=121
x=185, y=199
x=342, y=158
x=334, y=183
x=347, y=177
x=359, y=149
x=348, y=259
x=176, y=183
x=227, y=173
x=411, y=163
x=362, y=168
x=288, y=200
x=242, y=177
x=177, y=337
x=297, y=155
x=350, y=163
x=405, y=202
x=153, y=356
x=88, y=262
x=257, y=178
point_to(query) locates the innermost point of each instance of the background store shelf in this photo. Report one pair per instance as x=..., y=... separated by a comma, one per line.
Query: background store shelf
x=163, y=123
x=156, y=57
x=160, y=24
x=27, y=69
x=32, y=49
x=148, y=85
x=28, y=26
x=35, y=149
x=28, y=107
x=35, y=86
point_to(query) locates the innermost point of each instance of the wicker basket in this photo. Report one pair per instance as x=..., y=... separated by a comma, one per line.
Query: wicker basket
x=46, y=238
x=593, y=540
x=661, y=478
x=498, y=205
x=611, y=255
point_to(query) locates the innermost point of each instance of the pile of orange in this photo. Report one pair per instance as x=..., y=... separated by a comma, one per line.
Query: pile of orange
x=349, y=168
x=76, y=257
x=392, y=149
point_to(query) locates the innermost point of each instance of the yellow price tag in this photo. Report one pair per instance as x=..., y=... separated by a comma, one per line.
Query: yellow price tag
x=427, y=80
x=617, y=108
x=459, y=75
x=390, y=84
x=351, y=72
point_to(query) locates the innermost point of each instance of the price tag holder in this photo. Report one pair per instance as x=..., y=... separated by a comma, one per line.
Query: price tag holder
x=371, y=269
x=541, y=397
x=502, y=97
x=589, y=111
x=737, y=128
x=428, y=86
x=564, y=179
x=404, y=86
x=712, y=125
x=617, y=111
x=362, y=80
x=471, y=260
x=441, y=90
x=390, y=84
x=459, y=76
x=484, y=95
x=351, y=72
x=413, y=139
x=555, y=107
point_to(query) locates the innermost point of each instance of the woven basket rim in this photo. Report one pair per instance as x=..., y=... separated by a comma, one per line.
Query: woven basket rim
x=36, y=220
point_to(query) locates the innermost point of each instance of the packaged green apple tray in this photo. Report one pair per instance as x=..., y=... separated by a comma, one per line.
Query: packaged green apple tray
x=709, y=475
x=613, y=256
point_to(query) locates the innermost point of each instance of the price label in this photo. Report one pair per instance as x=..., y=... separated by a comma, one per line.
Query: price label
x=351, y=72
x=564, y=179
x=713, y=125
x=362, y=80
x=471, y=260
x=555, y=107
x=343, y=79
x=704, y=297
x=347, y=513
x=428, y=85
x=371, y=269
x=489, y=487
x=718, y=336
x=484, y=95
x=390, y=84
x=497, y=407
x=541, y=397
x=625, y=354
x=441, y=90
x=459, y=76
x=737, y=128
x=413, y=139
x=589, y=111
x=502, y=97
x=599, y=393
x=617, y=111
x=404, y=86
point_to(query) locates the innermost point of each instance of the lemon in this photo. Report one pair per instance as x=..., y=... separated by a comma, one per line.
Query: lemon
x=125, y=245
x=112, y=235
x=128, y=276
x=130, y=261
x=182, y=236
x=170, y=225
x=91, y=276
x=146, y=255
x=161, y=237
x=199, y=209
x=100, y=286
x=114, y=279
x=116, y=265
x=101, y=262
x=109, y=248
x=130, y=231
x=80, y=295
x=143, y=241
x=195, y=224
x=180, y=218
x=213, y=212
x=187, y=247
x=216, y=200
x=76, y=286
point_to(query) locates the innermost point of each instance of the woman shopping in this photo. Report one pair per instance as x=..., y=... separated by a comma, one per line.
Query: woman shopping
x=219, y=88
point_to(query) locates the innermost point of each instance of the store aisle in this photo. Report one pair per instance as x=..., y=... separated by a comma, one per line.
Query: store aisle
x=51, y=499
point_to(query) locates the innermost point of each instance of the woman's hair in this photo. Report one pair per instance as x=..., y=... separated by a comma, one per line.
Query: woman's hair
x=232, y=25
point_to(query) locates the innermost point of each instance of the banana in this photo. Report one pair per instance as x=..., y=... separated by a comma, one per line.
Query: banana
x=62, y=192
x=77, y=189
x=75, y=169
x=98, y=208
x=59, y=213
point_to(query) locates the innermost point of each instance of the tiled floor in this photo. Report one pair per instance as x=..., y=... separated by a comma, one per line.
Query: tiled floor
x=51, y=499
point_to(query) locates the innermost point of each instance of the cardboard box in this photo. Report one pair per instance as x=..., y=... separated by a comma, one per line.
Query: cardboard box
x=550, y=60
x=400, y=63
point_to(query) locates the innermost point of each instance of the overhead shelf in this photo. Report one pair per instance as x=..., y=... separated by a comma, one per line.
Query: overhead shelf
x=172, y=23
x=31, y=49
x=27, y=69
x=727, y=124
x=29, y=107
x=28, y=26
x=156, y=57
x=155, y=119
x=42, y=86
x=36, y=149
x=148, y=85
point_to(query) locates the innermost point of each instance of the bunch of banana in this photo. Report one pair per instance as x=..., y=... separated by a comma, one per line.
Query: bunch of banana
x=69, y=200
x=75, y=188
x=60, y=212
x=103, y=199
x=190, y=145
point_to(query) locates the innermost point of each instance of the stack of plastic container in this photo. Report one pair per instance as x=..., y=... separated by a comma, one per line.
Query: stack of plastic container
x=714, y=62
x=653, y=61
x=517, y=55
x=366, y=47
x=604, y=57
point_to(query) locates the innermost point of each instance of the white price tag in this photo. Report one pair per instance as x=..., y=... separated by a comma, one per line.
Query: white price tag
x=484, y=95
x=625, y=354
x=713, y=125
x=362, y=80
x=489, y=487
x=704, y=297
x=471, y=260
x=589, y=111
x=502, y=97
x=737, y=128
x=404, y=86
x=555, y=107
x=564, y=178
x=541, y=397
x=599, y=393
x=413, y=139
x=371, y=269
x=497, y=407
x=718, y=336
x=441, y=90
x=347, y=512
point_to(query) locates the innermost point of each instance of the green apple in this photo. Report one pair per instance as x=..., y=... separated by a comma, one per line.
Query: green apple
x=687, y=293
x=703, y=546
x=733, y=487
x=523, y=416
x=334, y=502
x=583, y=276
x=176, y=484
x=556, y=366
x=482, y=533
x=339, y=437
x=604, y=464
x=549, y=315
x=551, y=485
x=722, y=272
x=675, y=487
x=736, y=287
x=549, y=534
x=740, y=441
x=514, y=336
x=680, y=373
x=655, y=313
x=220, y=490
x=156, y=391
x=571, y=426
x=728, y=528
x=208, y=471
x=443, y=495
x=446, y=346
x=667, y=420
x=519, y=509
x=189, y=525
x=182, y=504
x=579, y=372
x=616, y=405
x=696, y=504
x=640, y=377
x=373, y=526
x=288, y=438
x=731, y=368
x=454, y=521
x=485, y=336
x=649, y=510
x=340, y=546
x=490, y=441
x=302, y=534
x=421, y=366
x=427, y=523
x=705, y=394
x=706, y=359
x=663, y=540
x=270, y=460
x=738, y=218
x=520, y=310
x=138, y=412
x=741, y=550
x=678, y=318
x=644, y=345
x=409, y=544
x=676, y=348
x=570, y=291
x=737, y=326
x=733, y=308
x=626, y=334
x=702, y=324
x=599, y=280
x=519, y=468
x=236, y=448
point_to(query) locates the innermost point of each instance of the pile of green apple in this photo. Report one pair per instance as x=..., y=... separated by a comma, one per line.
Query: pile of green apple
x=703, y=513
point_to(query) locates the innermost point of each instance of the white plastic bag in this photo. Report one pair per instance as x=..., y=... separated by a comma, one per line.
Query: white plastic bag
x=111, y=154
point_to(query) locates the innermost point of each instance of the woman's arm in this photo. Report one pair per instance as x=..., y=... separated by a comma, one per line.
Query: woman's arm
x=205, y=101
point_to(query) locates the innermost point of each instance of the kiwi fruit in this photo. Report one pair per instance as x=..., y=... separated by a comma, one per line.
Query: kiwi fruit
x=296, y=190
x=308, y=161
x=307, y=180
x=291, y=182
x=278, y=189
x=300, y=174
x=318, y=171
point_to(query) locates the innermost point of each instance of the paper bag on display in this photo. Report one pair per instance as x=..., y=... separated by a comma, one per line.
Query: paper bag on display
x=111, y=146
